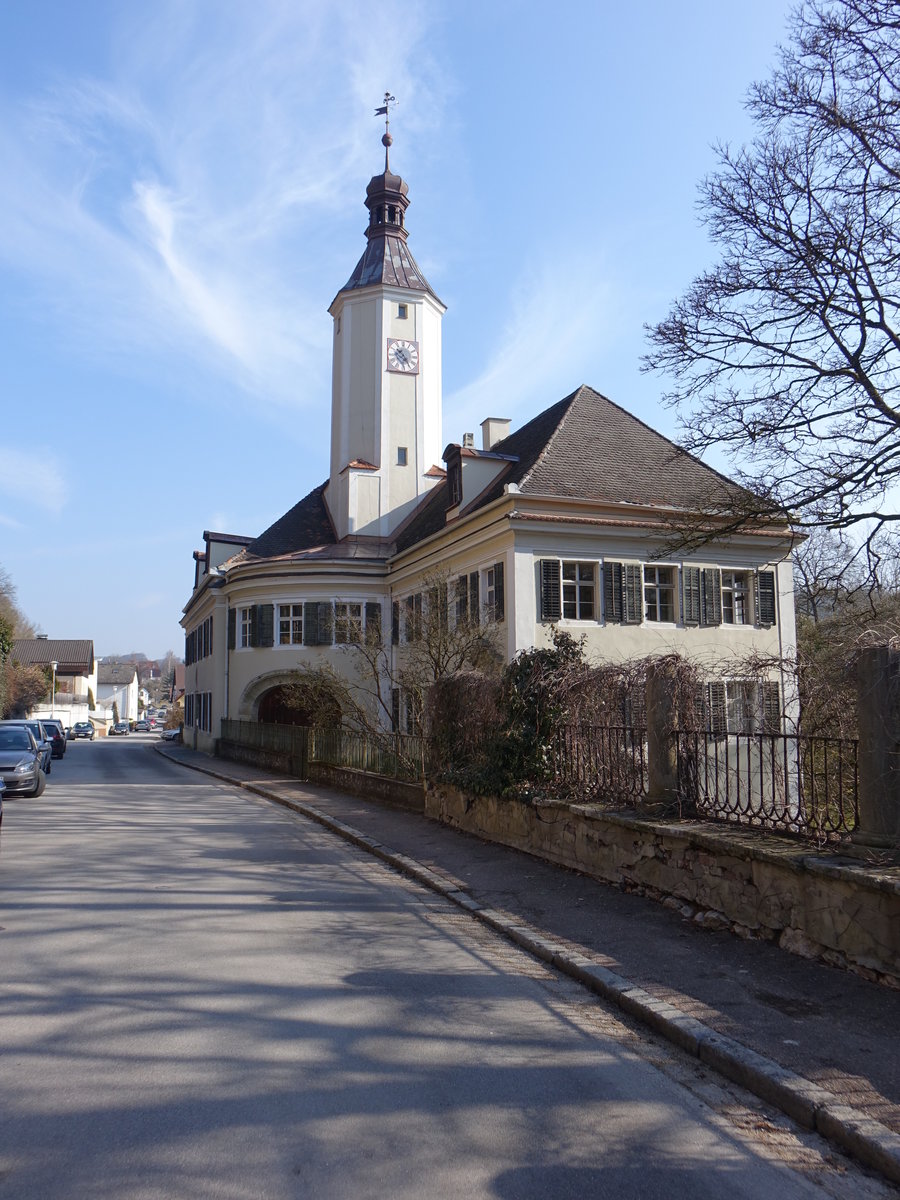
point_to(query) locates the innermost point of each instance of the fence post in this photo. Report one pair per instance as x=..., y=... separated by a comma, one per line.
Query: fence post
x=878, y=715
x=662, y=756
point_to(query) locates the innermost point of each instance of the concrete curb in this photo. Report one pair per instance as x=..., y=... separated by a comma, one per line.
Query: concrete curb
x=809, y=1105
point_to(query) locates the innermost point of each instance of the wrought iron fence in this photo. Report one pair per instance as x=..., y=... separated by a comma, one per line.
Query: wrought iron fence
x=800, y=784
x=399, y=756
x=604, y=762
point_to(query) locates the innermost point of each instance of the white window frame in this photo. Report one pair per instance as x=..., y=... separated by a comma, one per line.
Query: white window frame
x=245, y=631
x=736, y=596
x=346, y=623
x=657, y=588
x=576, y=587
x=287, y=615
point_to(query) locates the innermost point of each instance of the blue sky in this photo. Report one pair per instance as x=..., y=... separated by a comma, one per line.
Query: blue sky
x=182, y=196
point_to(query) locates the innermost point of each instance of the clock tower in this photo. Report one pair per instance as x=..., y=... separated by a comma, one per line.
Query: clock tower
x=386, y=375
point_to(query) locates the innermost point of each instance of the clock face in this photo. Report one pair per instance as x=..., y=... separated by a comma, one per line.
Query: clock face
x=402, y=356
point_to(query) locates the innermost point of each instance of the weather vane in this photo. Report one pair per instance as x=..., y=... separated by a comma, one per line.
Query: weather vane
x=385, y=111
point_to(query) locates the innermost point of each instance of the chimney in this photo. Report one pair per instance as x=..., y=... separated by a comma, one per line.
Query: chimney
x=494, y=430
x=468, y=441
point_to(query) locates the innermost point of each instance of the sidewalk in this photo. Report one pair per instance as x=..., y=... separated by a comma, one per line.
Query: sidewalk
x=822, y=1044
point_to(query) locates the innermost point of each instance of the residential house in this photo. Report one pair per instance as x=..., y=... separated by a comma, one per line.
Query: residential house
x=74, y=675
x=117, y=684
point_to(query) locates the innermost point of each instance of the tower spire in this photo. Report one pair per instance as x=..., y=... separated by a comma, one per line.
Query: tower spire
x=387, y=141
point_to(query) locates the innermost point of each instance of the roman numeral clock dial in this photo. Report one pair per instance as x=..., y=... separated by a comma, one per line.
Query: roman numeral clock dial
x=403, y=356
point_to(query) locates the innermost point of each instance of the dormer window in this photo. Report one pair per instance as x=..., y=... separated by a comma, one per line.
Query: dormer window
x=454, y=483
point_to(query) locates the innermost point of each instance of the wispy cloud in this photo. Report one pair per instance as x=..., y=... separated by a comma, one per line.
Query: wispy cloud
x=561, y=318
x=121, y=207
x=34, y=479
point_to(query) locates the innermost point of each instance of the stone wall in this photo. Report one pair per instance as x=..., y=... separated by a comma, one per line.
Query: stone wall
x=843, y=910
x=396, y=792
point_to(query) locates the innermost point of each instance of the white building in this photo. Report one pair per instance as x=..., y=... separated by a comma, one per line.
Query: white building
x=567, y=520
x=117, y=684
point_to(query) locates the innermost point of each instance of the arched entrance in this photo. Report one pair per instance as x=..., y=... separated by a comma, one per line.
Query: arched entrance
x=295, y=704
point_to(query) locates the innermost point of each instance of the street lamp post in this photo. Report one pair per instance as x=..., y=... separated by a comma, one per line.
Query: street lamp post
x=53, y=667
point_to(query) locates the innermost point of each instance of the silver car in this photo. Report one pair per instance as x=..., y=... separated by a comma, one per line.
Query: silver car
x=20, y=761
x=40, y=735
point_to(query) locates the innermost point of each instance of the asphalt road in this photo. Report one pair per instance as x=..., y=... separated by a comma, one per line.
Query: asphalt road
x=205, y=996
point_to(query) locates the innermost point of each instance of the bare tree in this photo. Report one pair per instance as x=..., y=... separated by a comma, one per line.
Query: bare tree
x=787, y=353
x=827, y=573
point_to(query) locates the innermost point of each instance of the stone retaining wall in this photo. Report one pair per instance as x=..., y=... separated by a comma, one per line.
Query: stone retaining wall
x=821, y=905
x=397, y=792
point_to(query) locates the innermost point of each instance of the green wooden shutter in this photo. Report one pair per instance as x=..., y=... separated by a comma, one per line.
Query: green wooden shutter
x=474, y=599
x=633, y=594
x=712, y=596
x=690, y=588
x=718, y=709
x=551, y=602
x=499, y=606
x=612, y=591
x=265, y=625
x=373, y=622
x=770, y=703
x=765, y=598
x=395, y=623
x=326, y=612
x=311, y=623
x=462, y=600
x=232, y=627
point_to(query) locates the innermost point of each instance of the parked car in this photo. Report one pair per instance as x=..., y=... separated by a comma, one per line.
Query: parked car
x=57, y=734
x=20, y=761
x=143, y=726
x=41, y=738
x=83, y=729
x=119, y=728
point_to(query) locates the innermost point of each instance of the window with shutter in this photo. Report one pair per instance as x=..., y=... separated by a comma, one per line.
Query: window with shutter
x=632, y=606
x=612, y=591
x=265, y=625
x=474, y=599
x=395, y=710
x=413, y=629
x=765, y=598
x=771, y=706
x=551, y=606
x=493, y=592
x=317, y=623
x=712, y=596
x=395, y=623
x=462, y=600
x=373, y=623
x=690, y=590
x=718, y=712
